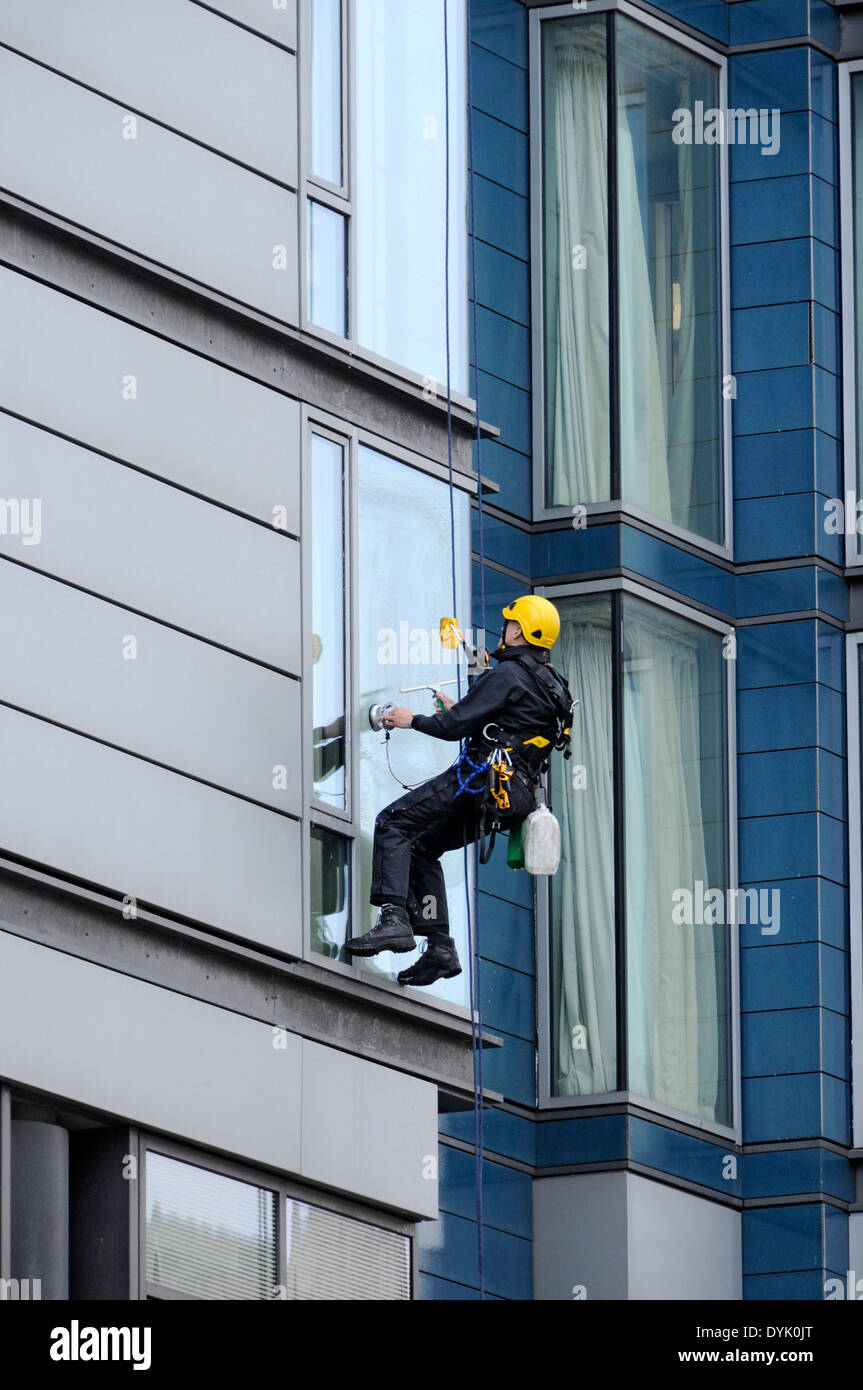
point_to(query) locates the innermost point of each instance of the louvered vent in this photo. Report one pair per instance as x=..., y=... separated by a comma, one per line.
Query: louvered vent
x=333, y=1256
x=208, y=1235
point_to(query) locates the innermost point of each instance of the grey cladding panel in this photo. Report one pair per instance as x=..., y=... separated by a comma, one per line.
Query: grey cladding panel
x=74, y=805
x=275, y=18
x=117, y=388
x=157, y=194
x=152, y=547
x=69, y=657
x=238, y=95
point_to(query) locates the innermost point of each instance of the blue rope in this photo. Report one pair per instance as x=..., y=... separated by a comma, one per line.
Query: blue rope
x=473, y=946
x=476, y=768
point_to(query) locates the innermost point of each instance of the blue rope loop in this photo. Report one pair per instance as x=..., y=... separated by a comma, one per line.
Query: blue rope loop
x=464, y=783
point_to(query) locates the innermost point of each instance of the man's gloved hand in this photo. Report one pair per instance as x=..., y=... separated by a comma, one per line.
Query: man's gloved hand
x=398, y=718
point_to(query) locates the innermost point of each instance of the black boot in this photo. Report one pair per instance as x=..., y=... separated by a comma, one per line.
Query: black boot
x=391, y=932
x=439, y=961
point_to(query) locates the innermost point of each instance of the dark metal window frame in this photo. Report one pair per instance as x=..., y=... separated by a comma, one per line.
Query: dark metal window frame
x=283, y=1188
x=542, y=510
x=616, y=590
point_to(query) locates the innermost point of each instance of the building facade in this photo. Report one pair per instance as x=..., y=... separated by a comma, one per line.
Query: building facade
x=322, y=320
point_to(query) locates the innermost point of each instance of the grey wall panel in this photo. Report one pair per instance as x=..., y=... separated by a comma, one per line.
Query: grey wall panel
x=147, y=1055
x=275, y=18
x=74, y=805
x=161, y=694
x=579, y=1237
x=375, y=1134
x=120, y=389
x=238, y=95
x=681, y=1246
x=230, y=1088
x=158, y=194
x=130, y=538
x=622, y=1236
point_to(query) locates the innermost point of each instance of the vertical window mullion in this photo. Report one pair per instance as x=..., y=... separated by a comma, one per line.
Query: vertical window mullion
x=613, y=270
x=619, y=841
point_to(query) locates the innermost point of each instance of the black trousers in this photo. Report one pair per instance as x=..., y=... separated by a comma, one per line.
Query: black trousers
x=411, y=835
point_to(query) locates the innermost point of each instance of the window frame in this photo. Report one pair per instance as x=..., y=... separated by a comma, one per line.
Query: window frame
x=546, y=1100
x=541, y=511
x=853, y=558
x=343, y=200
x=347, y=823
x=283, y=1187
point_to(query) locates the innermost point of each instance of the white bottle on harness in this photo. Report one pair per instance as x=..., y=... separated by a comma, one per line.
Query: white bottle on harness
x=541, y=842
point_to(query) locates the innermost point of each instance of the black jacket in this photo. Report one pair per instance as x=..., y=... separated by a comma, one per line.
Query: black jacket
x=510, y=697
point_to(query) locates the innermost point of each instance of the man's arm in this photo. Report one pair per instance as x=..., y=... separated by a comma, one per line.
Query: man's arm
x=484, y=699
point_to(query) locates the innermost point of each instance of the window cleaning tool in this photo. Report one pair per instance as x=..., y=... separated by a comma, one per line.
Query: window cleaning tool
x=377, y=713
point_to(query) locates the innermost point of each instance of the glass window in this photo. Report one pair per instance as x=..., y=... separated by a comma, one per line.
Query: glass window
x=632, y=275
x=583, y=950
x=328, y=620
x=208, y=1235
x=405, y=589
x=856, y=80
x=330, y=892
x=401, y=118
x=327, y=269
x=649, y=744
x=326, y=78
x=331, y=1256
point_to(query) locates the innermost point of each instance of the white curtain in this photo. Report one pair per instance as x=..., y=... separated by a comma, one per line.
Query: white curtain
x=583, y=947
x=675, y=972
x=577, y=306
x=656, y=322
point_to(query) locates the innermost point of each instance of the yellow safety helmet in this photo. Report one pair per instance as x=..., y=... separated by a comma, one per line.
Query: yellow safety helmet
x=539, y=620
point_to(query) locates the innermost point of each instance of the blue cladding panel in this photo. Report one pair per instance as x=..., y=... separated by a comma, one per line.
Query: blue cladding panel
x=511, y=471
x=784, y=1288
x=677, y=569
x=499, y=88
x=794, y=156
x=775, y=335
x=758, y=21
x=596, y=547
x=595, y=1139
x=799, y=920
x=776, y=654
x=500, y=153
x=777, y=718
x=504, y=283
x=773, y=273
x=689, y=1158
x=432, y=1289
x=708, y=16
x=503, y=1133
x=780, y=977
x=770, y=465
x=770, y=209
x=502, y=218
x=782, y=1238
x=508, y=1001
x=511, y=1069
x=773, y=784
x=507, y=935
x=770, y=79
x=501, y=27
x=507, y=1194
x=777, y=591
x=782, y=1042
x=504, y=350
x=507, y=408
x=774, y=528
